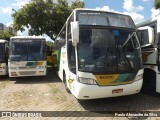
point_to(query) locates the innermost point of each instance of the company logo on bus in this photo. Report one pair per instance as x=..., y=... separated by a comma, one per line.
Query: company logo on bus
x=106, y=77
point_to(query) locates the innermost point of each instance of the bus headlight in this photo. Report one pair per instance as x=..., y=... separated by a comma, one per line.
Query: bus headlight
x=87, y=81
x=138, y=77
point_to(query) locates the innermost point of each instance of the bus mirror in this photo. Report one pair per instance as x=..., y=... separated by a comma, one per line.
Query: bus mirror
x=146, y=35
x=75, y=32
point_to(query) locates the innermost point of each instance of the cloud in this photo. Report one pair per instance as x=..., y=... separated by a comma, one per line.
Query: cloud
x=128, y=5
x=20, y=3
x=154, y=12
x=9, y=24
x=135, y=16
x=24, y=33
x=145, y=0
x=107, y=8
x=132, y=10
x=6, y=10
x=104, y=8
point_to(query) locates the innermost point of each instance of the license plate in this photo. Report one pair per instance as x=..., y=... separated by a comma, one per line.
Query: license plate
x=117, y=91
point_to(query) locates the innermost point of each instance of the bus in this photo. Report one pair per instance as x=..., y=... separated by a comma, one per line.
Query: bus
x=149, y=38
x=99, y=55
x=27, y=56
x=3, y=57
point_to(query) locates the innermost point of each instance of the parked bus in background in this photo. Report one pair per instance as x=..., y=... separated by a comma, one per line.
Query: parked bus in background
x=99, y=55
x=149, y=37
x=27, y=56
x=3, y=57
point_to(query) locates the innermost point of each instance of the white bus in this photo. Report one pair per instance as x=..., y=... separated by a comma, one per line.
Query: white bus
x=27, y=56
x=99, y=55
x=149, y=36
x=3, y=57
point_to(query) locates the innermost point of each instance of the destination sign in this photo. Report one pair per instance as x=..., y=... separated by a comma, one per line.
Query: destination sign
x=22, y=41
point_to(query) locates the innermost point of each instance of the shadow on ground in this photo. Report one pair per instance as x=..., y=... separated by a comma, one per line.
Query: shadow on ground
x=3, y=78
x=137, y=102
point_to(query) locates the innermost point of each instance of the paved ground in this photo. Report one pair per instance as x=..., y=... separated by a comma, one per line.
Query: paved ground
x=48, y=94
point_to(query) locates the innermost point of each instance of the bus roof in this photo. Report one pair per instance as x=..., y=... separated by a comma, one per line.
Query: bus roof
x=145, y=23
x=96, y=10
x=3, y=41
x=27, y=37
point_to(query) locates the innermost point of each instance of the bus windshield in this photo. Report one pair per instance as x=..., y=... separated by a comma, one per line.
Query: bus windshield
x=27, y=51
x=2, y=52
x=108, y=51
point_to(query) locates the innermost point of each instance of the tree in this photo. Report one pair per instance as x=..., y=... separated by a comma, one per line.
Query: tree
x=6, y=35
x=77, y=4
x=44, y=16
x=157, y=4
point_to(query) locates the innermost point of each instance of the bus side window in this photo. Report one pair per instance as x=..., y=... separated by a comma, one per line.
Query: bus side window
x=143, y=37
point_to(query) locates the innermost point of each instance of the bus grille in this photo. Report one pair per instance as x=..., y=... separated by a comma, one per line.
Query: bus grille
x=27, y=73
x=22, y=67
x=27, y=67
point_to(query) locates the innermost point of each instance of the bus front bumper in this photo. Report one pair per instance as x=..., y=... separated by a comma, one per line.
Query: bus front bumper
x=20, y=73
x=83, y=91
x=3, y=72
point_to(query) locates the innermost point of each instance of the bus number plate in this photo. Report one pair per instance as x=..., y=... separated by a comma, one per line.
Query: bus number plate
x=117, y=91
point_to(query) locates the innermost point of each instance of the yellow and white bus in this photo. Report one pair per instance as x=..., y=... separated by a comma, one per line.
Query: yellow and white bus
x=3, y=57
x=98, y=55
x=27, y=56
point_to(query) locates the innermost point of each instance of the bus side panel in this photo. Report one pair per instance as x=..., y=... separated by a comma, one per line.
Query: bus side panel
x=62, y=62
x=157, y=81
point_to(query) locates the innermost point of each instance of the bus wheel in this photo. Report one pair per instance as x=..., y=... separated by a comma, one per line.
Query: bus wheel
x=149, y=82
x=65, y=83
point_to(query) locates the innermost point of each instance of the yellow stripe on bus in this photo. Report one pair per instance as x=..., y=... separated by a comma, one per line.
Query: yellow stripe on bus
x=40, y=63
x=106, y=79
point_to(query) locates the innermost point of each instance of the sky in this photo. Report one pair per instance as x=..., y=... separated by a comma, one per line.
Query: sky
x=139, y=10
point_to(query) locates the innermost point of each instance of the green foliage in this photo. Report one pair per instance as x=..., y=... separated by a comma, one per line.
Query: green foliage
x=157, y=4
x=49, y=43
x=44, y=16
x=77, y=4
x=6, y=35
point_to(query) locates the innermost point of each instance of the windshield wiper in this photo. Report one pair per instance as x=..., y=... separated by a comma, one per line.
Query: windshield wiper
x=129, y=37
x=121, y=59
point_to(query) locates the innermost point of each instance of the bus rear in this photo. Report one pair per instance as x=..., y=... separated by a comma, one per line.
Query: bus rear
x=27, y=56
